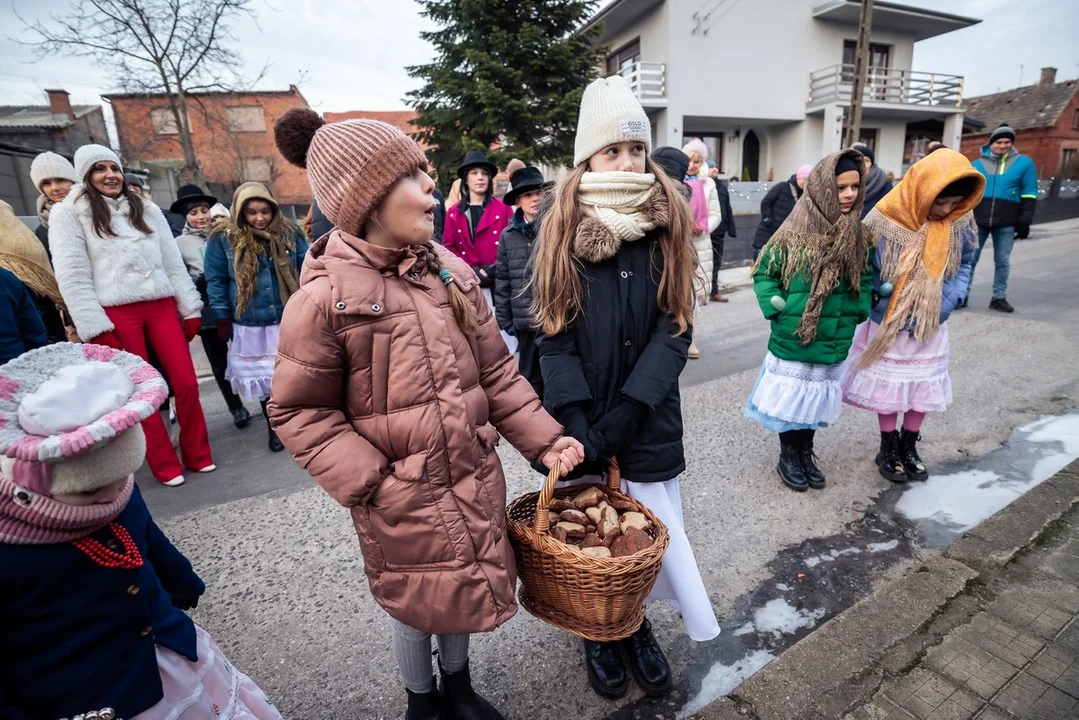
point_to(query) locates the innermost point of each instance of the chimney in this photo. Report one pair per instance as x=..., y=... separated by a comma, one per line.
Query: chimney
x=60, y=104
x=1049, y=76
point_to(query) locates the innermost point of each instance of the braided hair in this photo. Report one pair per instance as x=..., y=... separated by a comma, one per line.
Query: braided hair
x=463, y=311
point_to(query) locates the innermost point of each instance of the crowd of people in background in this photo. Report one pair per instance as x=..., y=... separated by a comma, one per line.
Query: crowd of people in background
x=390, y=339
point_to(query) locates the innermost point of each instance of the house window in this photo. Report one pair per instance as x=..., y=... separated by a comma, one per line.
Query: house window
x=248, y=118
x=256, y=169
x=622, y=61
x=876, y=74
x=879, y=55
x=1068, y=164
x=1075, y=120
x=164, y=122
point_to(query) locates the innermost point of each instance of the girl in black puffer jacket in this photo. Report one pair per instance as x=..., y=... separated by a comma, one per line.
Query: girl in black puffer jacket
x=512, y=296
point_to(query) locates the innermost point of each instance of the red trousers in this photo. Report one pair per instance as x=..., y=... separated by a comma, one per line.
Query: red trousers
x=159, y=321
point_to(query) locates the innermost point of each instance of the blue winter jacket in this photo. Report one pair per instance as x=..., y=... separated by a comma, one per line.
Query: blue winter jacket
x=265, y=306
x=21, y=328
x=1011, y=189
x=78, y=636
x=955, y=289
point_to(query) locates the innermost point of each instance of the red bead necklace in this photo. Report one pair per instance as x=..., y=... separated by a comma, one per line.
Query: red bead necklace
x=131, y=559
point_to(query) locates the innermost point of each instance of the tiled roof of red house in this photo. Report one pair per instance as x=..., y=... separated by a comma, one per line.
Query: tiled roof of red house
x=1032, y=106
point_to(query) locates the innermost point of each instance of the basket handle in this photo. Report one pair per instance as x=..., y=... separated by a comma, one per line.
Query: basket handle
x=542, y=524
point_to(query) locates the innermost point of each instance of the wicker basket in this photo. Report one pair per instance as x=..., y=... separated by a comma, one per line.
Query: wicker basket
x=600, y=599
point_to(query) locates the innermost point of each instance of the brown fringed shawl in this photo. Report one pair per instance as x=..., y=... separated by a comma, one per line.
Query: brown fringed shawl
x=277, y=241
x=918, y=254
x=819, y=241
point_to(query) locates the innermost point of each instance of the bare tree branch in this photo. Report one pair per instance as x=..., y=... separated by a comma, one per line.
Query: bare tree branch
x=167, y=47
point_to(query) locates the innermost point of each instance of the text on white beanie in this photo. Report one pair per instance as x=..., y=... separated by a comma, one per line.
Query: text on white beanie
x=610, y=113
x=87, y=155
x=49, y=165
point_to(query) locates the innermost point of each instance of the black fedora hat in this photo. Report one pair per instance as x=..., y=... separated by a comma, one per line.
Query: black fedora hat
x=525, y=180
x=475, y=159
x=188, y=194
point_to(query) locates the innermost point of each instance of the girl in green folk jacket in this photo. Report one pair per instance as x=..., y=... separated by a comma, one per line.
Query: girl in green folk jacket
x=813, y=281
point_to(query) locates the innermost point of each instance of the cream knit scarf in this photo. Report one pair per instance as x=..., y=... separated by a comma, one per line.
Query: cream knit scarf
x=617, y=199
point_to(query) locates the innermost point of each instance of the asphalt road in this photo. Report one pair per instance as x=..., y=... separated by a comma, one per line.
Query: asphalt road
x=288, y=601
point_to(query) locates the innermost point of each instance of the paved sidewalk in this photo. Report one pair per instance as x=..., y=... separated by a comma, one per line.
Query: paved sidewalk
x=1016, y=658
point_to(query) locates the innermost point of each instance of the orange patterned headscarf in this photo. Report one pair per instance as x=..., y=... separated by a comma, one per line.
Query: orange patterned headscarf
x=917, y=253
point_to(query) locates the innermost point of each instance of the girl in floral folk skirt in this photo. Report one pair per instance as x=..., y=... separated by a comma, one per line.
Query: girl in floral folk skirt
x=899, y=364
x=812, y=281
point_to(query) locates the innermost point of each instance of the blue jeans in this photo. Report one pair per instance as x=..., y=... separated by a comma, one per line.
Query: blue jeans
x=1003, y=241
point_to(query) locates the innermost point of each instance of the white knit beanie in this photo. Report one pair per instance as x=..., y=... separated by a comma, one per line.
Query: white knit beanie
x=87, y=155
x=610, y=113
x=49, y=165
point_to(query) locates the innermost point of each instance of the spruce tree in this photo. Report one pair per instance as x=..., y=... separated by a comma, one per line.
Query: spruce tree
x=505, y=72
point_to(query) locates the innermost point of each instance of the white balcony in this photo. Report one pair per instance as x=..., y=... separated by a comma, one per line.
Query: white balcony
x=887, y=87
x=648, y=81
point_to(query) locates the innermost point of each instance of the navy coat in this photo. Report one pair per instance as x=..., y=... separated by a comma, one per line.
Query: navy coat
x=21, y=328
x=80, y=637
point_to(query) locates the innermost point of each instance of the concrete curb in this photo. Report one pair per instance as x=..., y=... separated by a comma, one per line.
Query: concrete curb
x=843, y=662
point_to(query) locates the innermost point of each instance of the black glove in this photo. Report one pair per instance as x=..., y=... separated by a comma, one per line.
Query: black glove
x=1022, y=231
x=575, y=420
x=620, y=425
x=185, y=603
x=510, y=330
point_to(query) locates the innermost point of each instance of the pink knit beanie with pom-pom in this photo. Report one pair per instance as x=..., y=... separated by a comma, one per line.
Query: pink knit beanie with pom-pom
x=351, y=165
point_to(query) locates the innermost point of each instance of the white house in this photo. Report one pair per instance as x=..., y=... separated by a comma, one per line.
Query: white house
x=765, y=83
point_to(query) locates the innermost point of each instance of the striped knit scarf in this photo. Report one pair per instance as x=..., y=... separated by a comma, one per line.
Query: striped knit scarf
x=44, y=521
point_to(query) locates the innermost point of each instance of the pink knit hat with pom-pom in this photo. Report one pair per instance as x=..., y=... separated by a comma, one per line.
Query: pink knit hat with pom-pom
x=351, y=165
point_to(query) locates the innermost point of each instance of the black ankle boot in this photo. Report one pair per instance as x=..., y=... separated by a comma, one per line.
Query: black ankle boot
x=275, y=443
x=908, y=453
x=606, y=669
x=888, y=460
x=647, y=662
x=460, y=701
x=814, y=476
x=426, y=706
x=790, y=463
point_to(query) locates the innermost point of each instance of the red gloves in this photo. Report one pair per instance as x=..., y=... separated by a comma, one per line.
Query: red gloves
x=224, y=329
x=108, y=339
x=192, y=327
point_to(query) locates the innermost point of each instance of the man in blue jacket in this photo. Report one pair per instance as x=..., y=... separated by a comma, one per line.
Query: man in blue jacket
x=1006, y=211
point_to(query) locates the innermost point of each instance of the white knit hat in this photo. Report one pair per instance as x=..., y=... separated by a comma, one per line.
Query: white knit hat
x=610, y=113
x=49, y=165
x=87, y=155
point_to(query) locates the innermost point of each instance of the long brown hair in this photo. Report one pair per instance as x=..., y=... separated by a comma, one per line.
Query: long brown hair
x=463, y=310
x=556, y=274
x=100, y=214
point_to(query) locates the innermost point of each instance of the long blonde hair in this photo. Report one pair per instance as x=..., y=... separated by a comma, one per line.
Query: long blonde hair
x=454, y=197
x=556, y=273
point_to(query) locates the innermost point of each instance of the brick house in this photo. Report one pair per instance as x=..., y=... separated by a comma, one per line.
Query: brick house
x=403, y=120
x=233, y=137
x=1045, y=118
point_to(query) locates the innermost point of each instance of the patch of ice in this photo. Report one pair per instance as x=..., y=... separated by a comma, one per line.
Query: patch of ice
x=962, y=499
x=779, y=617
x=782, y=586
x=722, y=679
x=746, y=629
x=884, y=546
x=830, y=556
x=1063, y=429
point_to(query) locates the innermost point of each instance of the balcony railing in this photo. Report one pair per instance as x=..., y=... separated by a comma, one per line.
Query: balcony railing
x=885, y=85
x=648, y=81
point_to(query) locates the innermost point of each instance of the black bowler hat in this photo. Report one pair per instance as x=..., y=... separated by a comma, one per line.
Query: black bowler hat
x=475, y=159
x=525, y=180
x=187, y=195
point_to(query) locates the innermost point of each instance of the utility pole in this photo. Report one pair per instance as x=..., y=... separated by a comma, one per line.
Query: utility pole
x=861, y=63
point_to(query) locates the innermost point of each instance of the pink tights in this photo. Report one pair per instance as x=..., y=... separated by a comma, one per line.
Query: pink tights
x=912, y=420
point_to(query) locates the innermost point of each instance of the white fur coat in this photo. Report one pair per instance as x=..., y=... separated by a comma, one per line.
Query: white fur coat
x=96, y=272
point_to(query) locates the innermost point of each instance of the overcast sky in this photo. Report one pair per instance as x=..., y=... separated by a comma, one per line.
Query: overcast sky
x=351, y=54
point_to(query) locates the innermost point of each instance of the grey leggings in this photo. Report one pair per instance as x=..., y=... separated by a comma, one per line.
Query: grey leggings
x=412, y=648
